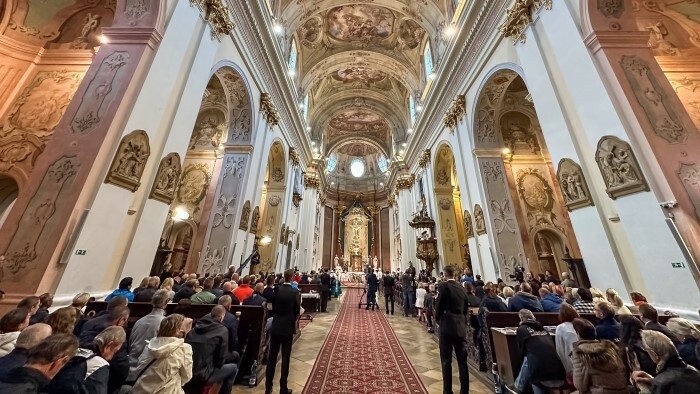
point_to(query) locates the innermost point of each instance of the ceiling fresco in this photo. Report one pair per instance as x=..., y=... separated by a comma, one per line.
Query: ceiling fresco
x=364, y=76
x=363, y=23
x=358, y=121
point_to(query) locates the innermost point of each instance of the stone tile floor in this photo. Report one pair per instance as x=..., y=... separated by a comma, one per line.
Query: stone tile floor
x=421, y=349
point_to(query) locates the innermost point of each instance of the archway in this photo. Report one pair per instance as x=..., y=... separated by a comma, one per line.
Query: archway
x=207, y=197
x=270, y=228
x=452, y=234
x=8, y=195
x=526, y=211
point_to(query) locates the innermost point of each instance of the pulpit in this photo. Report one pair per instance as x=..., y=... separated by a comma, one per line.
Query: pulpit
x=426, y=244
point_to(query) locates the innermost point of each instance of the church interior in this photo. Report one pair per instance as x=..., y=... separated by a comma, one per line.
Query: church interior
x=552, y=137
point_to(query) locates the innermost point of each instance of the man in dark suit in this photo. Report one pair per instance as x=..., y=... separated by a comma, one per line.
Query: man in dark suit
x=372, y=287
x=325, y=289
x=388, y=283
x=451, y=311
x=286, y=308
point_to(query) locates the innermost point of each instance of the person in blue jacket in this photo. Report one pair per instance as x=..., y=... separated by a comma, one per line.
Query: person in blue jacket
x=524, y=300
x=124, y=290
x=550, y=301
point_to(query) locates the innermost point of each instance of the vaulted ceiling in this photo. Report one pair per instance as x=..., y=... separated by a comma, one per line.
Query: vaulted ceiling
x=359, y=62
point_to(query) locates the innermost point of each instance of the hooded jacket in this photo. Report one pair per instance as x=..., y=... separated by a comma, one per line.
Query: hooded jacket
x=551, y=302
x=171, y=369
x=537, y=345
x=7, y=342
x=598, y=368
x=522, y=300
x=209, y=341
x=126, y=293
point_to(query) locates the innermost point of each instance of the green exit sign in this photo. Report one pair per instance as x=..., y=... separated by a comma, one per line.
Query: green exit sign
x=678, y=265
x=81, y=252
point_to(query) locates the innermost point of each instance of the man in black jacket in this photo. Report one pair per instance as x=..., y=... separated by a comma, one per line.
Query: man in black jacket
x=286, y=308
x=230, y=322
x=146, y=294
x=186, y=291
x=540, y=361
x=372, y=287
x=388, y=284
x=209, y=341
x=451, y=311
x=325, y=289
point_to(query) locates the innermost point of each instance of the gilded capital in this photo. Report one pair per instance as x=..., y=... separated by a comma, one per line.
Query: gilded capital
x=391, y=200
x=268, y=109
x=311, y=181
x=519, y=17
x=294, y=157
x=405, y=182
x=456, y=112
x=424, y=159
x=217, y=15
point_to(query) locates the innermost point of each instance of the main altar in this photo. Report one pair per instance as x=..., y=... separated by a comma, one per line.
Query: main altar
x=356, y=236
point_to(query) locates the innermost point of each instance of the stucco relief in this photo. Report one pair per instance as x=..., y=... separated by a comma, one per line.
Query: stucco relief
x=90, y=23
x=651, y=97
x=129, y=161
x=619, y=167
x=100, y=93
x=492, y=171
x=411, y=33
x=574, y=187
x=611, y=8
x=213, y=261
x=34, y=116
x=239, y=104
x=255, y=220
x=445, y=204
x=659, y=39
x=167, y=178
x=442, y=178
x=224, y=211
x=310, y=32
x=235, y=166
x=245, y=217
x=519, y=133
x=208, y=129
x=37, y=223
x=468, y=226
x=503, y=217
x=538, y=197
x=194, y=184
x=690, y=176
x=489, y=102
x=136, y=9
x=687, y=86
x=479, y=222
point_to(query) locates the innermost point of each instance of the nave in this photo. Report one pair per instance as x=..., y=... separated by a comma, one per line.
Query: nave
x=352, y=350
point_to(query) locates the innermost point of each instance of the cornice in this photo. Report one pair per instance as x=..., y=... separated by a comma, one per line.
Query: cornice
x=253, y=36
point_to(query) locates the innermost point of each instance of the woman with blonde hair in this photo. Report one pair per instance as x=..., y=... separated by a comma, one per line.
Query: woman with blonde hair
x=168, y=284
x=508, y=292
x=63, y=320
x=689, y=349
x=597, y=294
x=673, y=376
x=616, y=301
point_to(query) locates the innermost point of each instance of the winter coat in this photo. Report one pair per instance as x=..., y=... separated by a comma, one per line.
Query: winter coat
x=551, y=302
x=598, y=368
x=676, y=377
x=522, y=300
x=7, y=342
x=608, y=328
x=24, y=381
x=171, y=369
x=209, y=341
x=126, y=293
x=537, y=345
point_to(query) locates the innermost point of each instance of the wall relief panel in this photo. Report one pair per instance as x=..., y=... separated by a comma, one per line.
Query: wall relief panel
x=479, y=222
x=468, y=225
x=573, y=185
x=690, y=176
x=167, y=179
x=38, y=221
x=651, y=97
x=100, y=93
x=193, y=187
x=255, y=220
x=245, y=217
x=620, y=169
x=538, y=197
x=32, y=119
x=129, y=161
x=611, y=8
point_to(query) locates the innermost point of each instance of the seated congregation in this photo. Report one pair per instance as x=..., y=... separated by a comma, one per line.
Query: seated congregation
x=187, y=333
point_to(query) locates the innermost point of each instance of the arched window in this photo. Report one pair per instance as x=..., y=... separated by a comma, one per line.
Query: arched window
x=293, y=57
x=332, y=162
x=357, y=167
x=305, y=108
x=412, y=108
x=382, y=164
x=428, y=62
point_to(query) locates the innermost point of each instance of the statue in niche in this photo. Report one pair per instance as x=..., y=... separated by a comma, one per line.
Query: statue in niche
x=255, y=220
x=166, y=178
x=480, y=224
x=619, y=167
x=245, y=217
x=129, y=161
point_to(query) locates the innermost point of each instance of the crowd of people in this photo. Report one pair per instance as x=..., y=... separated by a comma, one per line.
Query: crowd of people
x=66, y=351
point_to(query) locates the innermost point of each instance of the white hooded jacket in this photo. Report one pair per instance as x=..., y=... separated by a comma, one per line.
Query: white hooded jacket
x=7, y=342
x=171, y=370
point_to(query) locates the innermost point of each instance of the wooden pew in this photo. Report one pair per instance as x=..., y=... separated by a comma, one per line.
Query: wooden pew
x=251, y=328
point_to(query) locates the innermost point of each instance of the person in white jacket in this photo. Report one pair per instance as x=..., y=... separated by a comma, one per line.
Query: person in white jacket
x=166, y=362
x=11, y=324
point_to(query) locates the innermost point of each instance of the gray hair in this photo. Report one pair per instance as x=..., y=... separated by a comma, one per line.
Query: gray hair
x=225, y=301
x=160, y=298
x=33, y=335
x=113, y=334
x=525, y=314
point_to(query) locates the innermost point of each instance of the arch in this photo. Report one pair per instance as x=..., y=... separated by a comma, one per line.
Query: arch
x=9, y=190
x=444, y=165
x=276, y=174
x=239, y=102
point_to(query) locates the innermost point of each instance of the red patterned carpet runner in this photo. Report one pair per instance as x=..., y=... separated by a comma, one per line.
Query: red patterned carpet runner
x=362, y=355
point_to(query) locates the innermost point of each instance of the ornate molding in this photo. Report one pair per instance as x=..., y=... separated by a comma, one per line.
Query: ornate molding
x=456, y=112
x=405, y=182
x=391, y=200
x=294, y=157
x=268, y=109
x=217, y=15
x=424, y=159
x=519, y=17
x=311, y=181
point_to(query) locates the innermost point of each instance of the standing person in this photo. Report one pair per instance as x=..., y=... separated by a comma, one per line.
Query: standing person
x=408, y=292
x=420, y=299
x=286, y=309
x=429, y=307
x=372, y=287
x=325, y=289
x=388, y=283
x=451, y=310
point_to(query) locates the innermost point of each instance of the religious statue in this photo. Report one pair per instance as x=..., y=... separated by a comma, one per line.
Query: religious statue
x=375, y=262
x=335, y=260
